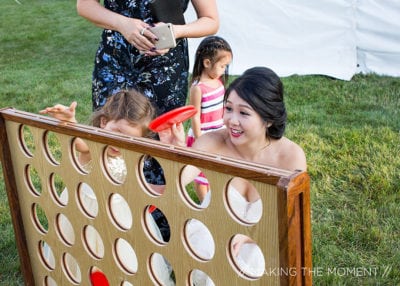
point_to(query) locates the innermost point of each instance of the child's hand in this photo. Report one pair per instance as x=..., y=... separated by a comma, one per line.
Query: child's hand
x=174, y=135
x=61, y=112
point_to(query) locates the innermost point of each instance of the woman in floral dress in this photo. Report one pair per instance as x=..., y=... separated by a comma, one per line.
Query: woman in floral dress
x=126, y=57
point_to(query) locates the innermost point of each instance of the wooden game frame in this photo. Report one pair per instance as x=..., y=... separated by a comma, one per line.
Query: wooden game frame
x=285, y=233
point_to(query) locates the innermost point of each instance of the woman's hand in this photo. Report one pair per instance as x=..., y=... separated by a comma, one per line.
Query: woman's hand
x=61, y=112
x=138, y=34
x=174, y=135
x=149, y=34
x=135, y=31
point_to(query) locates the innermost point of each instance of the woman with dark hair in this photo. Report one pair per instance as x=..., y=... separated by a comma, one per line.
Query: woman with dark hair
x=255, y=119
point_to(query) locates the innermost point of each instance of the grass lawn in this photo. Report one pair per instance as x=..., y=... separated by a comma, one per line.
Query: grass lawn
x=350, y=131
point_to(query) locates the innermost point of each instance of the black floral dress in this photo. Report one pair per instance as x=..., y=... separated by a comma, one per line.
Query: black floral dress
x=119, y=65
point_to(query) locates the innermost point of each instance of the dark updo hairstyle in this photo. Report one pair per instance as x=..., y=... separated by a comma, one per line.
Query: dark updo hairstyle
x=262, y=89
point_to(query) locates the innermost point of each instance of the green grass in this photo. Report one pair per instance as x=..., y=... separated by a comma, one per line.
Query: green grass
x=47, y=55
x=350, y=131
x=351, y=134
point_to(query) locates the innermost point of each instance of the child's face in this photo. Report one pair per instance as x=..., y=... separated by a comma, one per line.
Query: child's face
x=217, y=69
x=121, y=126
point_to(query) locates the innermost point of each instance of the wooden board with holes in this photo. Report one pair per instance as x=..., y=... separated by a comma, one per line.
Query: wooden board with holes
x=72, y=222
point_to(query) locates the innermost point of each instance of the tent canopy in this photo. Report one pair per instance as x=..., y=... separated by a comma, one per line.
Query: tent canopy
x=338, y=38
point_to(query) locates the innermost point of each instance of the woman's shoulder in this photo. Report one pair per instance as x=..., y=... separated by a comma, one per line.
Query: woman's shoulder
x=211, y=141
x=289, y=144
x=291, y=156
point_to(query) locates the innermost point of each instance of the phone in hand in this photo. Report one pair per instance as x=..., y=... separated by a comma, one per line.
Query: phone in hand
x=165, y=35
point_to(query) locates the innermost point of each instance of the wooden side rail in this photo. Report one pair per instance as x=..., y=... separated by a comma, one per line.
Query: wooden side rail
x=72, y=222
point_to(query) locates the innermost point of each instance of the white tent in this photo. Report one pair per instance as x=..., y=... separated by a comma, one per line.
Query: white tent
x=338, y=38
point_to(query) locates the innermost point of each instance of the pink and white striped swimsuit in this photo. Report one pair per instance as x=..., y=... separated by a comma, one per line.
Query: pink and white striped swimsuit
x=212, y=108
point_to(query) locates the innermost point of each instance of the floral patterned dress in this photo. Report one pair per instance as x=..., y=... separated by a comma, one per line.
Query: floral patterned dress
x=119, y=65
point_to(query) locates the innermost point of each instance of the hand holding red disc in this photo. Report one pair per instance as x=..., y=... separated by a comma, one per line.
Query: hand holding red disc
x=172, y=117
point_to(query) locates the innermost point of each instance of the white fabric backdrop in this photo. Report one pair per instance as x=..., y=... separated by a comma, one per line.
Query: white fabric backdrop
x=338, y=38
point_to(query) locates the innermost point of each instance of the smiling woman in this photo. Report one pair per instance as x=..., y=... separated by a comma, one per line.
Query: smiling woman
x=255, y=120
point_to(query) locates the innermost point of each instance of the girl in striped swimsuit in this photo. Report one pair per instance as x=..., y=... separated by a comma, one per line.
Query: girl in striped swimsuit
x=210, y=73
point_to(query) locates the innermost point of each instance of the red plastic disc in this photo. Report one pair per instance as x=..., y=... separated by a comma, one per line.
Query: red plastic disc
x=98, y=279
x=172, y=117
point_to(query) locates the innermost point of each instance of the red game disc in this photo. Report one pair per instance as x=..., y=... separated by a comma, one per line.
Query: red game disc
x=172, y=117
x=98, y=279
